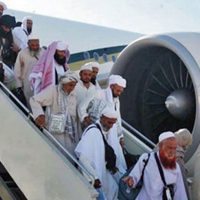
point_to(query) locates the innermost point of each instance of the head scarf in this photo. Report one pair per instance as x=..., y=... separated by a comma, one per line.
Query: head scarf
x=8, y=20
x=117, y=79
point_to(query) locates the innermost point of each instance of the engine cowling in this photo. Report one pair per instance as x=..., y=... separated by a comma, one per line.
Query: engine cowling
x=163, y=84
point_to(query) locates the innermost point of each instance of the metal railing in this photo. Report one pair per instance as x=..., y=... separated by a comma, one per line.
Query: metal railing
x=138, y=134
x=50, y=137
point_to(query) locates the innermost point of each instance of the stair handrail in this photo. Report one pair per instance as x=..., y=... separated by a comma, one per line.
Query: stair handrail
x=64, y=151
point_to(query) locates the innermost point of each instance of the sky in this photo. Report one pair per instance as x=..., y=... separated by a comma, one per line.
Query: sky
x=142, y=16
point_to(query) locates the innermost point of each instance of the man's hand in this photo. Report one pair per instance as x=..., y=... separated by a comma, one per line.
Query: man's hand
x=97, y=183
x=40, y=121
x=15, y=48
x=122, y=142
x=129, y=181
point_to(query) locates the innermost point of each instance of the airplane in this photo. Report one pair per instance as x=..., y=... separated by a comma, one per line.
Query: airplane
x=168, y=66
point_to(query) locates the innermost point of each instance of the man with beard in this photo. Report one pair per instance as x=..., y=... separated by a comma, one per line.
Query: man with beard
x=104, y=164
x=85, y=91
x=8, y=51
x=24, y=63
x=110, y=95
x=50, y=67
x=21, y=33
x=153, y=186
x=95, y=71
x=27, y=25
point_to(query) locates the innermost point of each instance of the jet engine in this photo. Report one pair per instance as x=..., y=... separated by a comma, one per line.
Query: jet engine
x=163, y=84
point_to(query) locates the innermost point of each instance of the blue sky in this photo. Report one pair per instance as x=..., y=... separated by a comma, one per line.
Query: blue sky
x=143, y=16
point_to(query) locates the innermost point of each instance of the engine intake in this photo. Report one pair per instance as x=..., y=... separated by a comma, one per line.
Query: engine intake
x=163, y=79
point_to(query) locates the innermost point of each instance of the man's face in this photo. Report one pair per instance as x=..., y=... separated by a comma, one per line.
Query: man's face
x=61, y=54
x=29, y=24
x=95, y=71
x=167, y=151
x=34, y=45
x=107, y=123
x=69, y=87
x=5, y=28
x=116, y=90
x=85, y=76
x=60, y=57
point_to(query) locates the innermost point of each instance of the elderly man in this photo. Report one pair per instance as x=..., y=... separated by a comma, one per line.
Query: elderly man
x=60, y=102
x=93, y=152
x=26, y=59
x=162, y=161
x=50, y=67
x=2, y=8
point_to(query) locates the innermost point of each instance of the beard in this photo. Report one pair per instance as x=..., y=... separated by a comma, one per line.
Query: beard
x=60, y=61
x=34, y=53
x=93, y=80
x=29, y=30
x=166, y=162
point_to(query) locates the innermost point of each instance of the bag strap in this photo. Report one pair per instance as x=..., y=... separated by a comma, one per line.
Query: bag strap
x=160, y=169
x=98, y=127
x=145, y=164
x=104, y=140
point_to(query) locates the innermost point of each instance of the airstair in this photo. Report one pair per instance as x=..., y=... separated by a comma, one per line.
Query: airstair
x=35, y=166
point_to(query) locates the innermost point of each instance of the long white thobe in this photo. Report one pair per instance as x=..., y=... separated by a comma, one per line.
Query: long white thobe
x=152, y=183
x=91, y=147
x=22, y=70
x=106, y=95
x=49, y=97
x=84, y=93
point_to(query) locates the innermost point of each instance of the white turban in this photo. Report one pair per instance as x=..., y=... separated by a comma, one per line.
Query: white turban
x=68, y=77
x=33, y=37
x=87, y=66
x=165, y=135
x=3, y=5
x=117, y=79
x=109, y=112
x=95, y=64
x=62, y=46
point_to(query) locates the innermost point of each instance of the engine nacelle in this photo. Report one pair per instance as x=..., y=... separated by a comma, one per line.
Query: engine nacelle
x=163, y=84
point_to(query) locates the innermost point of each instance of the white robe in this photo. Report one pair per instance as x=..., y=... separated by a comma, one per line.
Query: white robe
x=49, y=97
x=22, y=70
x=84, y=93
x=152, y=183
x=91, y=146
x=106, y=95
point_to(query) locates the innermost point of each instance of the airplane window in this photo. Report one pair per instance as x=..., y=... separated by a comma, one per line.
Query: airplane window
x=86, y=55
x=113, y=58
x=105, y=57
x=96, y=56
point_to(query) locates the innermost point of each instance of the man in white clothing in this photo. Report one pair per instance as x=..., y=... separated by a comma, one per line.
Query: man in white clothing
x=24, y=63
x=111, y=96
x=60, y=102
x=93, y=153
x=95, y=71
x=85, y=90
x=50, y=67
x=153, y=186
